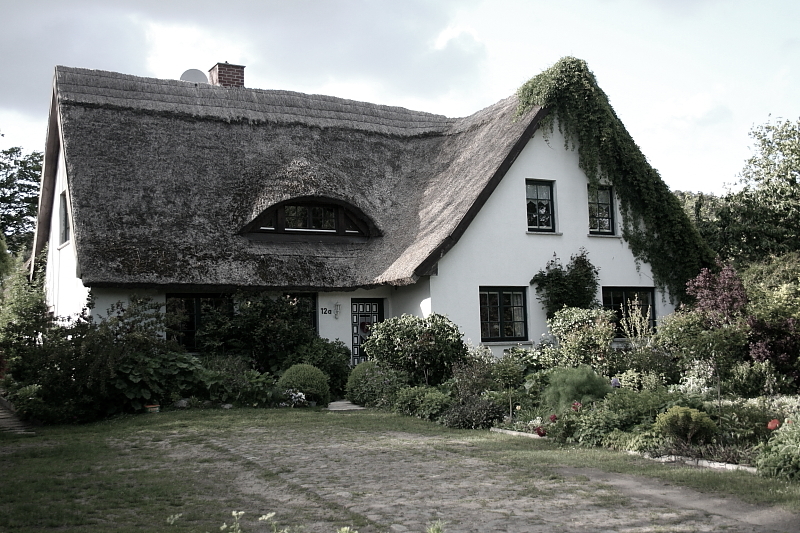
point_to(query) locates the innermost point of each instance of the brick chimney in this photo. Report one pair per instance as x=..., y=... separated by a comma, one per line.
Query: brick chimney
x=227, y=75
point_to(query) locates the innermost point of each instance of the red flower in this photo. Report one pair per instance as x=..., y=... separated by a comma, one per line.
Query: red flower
x=576, y=406
x=553, y=418
x=773, y=424
x=541, y=431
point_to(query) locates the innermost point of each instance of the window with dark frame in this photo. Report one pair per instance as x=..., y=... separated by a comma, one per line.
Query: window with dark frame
x=309, y=217
x=63, y=216
x=307, y=304
x=620, y=299
x=503, y=314
x=601, y=210
x=185, y=314
x=540, y=205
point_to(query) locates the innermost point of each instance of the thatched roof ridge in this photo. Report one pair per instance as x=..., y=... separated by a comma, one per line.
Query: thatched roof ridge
x=110, y=89
x=164, y=174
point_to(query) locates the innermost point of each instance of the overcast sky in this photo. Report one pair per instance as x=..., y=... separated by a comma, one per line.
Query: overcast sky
x=689, y=78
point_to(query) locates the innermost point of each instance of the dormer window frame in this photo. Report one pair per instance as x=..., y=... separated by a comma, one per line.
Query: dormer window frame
x=314, y=217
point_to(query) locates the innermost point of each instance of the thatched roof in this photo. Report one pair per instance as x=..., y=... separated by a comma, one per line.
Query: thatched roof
x=163, y=175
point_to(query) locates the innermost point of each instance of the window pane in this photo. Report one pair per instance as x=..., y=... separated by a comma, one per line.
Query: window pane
x=544, y=192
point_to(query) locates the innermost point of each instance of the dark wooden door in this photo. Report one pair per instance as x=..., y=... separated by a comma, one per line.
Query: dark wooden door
x=364, y=313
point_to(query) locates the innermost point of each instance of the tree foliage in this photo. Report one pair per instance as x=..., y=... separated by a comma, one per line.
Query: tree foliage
x=573, y=286
x=19, y=193
x=762, y=219
x=654, y=224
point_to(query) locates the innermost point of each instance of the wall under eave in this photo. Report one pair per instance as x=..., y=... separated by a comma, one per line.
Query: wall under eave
x=497, y=249
x=65, y=293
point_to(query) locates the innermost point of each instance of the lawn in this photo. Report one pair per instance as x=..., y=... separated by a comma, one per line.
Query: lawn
x=323, y=470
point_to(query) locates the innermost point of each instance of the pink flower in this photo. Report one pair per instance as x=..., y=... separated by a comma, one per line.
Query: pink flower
x=553, y=418
x=541, y=431
x=576, y=406
x=773, y=424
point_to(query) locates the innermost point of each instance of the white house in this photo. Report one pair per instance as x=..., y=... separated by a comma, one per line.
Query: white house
x=188, y=190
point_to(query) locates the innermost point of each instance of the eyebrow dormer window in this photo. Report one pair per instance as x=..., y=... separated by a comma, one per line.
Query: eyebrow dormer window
x=309, y=217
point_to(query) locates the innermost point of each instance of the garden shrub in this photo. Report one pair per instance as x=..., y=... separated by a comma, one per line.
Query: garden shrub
x=332, y=357
x=633, y=441
x=263, y=329
x=309, y=380
x=471, y=377
x=472, y=413
x=574, y=286
x=507, y=373
x=88, y=369
x=424, y=348
x=564, y=426
x=753, y=379
x=409, y=399
x=594, y=424
x=373, y=385
x=584, y=338
x=433, y=404
x=232, y=379
x=568, y=385
x=687, y=425
x=780, y=455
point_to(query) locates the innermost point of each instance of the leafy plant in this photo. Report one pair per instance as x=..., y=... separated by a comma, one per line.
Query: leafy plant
x=263, y=329
x=780, y=456
x=473, y=412
x=686, y=424
x=374, y=385
x=573, y=286
x=584, y=338
x=433, y=404
x=568, y=385
x=425, y=348
x=332, y=357
x=309, y=380
x=654, y=223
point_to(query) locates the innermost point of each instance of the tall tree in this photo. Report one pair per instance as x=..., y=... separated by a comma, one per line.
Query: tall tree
x=762, y=219
x=19, y=193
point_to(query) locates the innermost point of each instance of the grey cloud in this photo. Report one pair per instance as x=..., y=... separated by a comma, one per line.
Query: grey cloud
x=39, y=36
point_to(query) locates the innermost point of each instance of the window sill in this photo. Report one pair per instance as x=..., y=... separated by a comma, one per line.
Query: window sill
x=544, y=233
x=64, y=244
x=604, y=236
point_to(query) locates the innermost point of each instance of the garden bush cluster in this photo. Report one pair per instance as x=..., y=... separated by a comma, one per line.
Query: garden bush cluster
x=87, y=368
x=691, y=389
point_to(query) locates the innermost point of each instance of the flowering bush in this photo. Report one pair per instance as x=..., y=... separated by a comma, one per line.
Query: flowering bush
x=780, y=456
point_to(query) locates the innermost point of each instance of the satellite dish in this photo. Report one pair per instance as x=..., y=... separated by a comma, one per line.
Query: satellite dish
x=197, y=76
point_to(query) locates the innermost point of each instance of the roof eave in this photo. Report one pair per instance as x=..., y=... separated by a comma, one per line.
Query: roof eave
x=427, y=266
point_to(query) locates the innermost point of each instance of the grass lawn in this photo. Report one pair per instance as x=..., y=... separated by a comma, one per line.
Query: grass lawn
x=131, y=473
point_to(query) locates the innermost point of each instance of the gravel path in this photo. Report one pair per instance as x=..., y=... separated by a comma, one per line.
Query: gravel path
x=401, y=482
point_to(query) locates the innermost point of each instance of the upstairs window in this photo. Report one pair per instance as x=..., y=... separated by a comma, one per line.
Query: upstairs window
x=63, y=217
x=601, y=211
x=540, y=205
x=310, y=217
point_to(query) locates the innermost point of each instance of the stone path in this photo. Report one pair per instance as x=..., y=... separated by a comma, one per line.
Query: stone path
x=11, y=423
x=398, y=482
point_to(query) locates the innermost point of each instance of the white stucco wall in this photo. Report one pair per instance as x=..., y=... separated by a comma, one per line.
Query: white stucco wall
x=105, y=298
x=332, y=327
x=64, y=291
x=497, y=249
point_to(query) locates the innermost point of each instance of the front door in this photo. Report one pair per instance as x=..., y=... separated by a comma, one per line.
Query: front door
x=364, y=312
